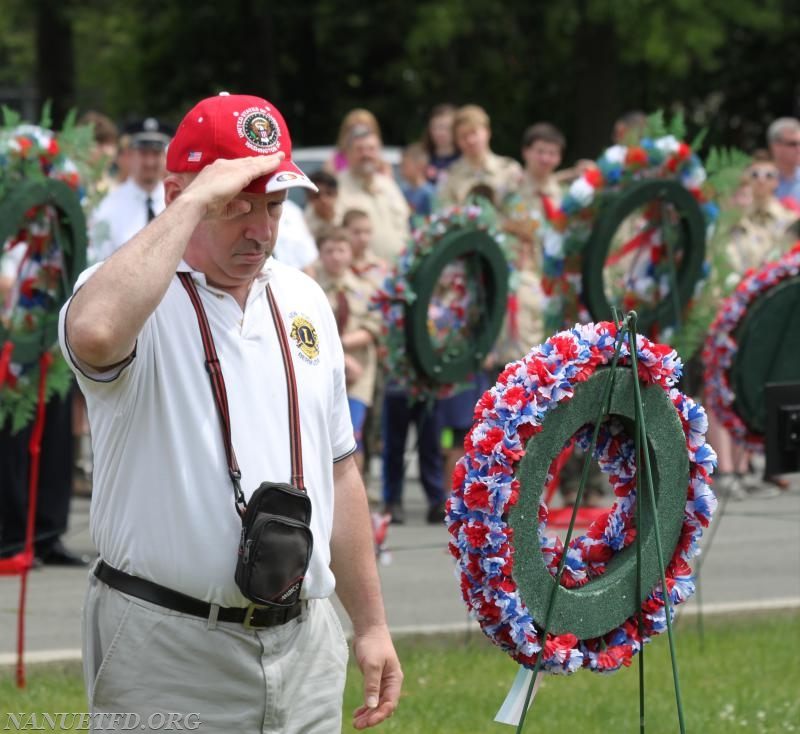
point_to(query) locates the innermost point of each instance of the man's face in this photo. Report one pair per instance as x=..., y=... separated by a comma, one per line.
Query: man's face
x=473, y=140
x=364, y=155
x=786, y=150
x=148, y=166
x=542, y=158
x=231, y=252
x=335, y=256
x=360, y=231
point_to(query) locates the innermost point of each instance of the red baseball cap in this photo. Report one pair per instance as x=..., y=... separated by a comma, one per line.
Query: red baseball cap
x=234, y=126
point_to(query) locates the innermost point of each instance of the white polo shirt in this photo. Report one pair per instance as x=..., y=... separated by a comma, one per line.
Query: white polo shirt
x=119, y=216
x=162, y=501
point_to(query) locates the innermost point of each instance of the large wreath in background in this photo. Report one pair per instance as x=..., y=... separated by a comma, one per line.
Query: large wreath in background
x=44, y=250
x=485, y=489
x=721, y=345
x=570, y=225
x=453, y=304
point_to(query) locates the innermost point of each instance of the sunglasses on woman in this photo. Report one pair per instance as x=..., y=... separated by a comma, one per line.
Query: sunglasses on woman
x=763, y=173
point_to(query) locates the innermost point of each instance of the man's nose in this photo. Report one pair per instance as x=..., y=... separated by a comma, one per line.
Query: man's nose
x=260, y=226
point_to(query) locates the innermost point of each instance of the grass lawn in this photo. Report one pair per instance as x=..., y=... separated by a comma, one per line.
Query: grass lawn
x=744, y=678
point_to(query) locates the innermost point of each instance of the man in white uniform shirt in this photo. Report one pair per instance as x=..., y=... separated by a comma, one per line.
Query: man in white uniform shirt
x=167, y=629
x=140, y=198
x=295, y=245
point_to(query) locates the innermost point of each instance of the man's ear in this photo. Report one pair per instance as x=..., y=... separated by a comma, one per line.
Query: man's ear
x=173, y=187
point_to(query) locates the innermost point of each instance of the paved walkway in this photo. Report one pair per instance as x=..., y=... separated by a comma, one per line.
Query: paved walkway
x=753, y=561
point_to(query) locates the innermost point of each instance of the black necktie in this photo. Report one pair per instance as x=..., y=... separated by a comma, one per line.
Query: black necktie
x=150, y=213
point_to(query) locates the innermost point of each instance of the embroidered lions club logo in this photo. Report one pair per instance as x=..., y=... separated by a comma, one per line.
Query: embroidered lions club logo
x=305, y=336
x=259, y=130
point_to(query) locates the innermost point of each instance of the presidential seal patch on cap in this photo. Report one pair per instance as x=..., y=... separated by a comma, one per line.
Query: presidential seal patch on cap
x=259, y=130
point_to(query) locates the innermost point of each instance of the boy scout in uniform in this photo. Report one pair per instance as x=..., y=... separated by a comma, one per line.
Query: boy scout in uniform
x=478, y=164
x=359, y=327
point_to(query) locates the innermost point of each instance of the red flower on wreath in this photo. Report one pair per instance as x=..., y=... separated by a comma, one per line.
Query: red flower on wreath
x=594, y=177
x=24, y=146
x=635, y=156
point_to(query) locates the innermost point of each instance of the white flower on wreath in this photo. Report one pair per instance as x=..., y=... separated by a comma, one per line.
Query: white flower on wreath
x=616, y=154
x=582, y=191
x=668, y=144
x=695, y=178
x=553, y=243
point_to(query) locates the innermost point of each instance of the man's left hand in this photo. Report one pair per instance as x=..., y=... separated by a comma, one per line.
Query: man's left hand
x=383, y=677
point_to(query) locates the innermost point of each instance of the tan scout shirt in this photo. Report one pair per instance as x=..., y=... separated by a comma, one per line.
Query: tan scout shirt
x=500, y=173
x=316, y=224
x=386, y=206
x=526, y=215
x=759, y=237
x=531, y=193
x=371, y=269
x=357, y=293
x=525, y=330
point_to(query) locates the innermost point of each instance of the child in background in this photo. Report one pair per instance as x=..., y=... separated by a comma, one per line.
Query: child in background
x=365, y=264
x=419, y=192
x=322, y=208
x=371, y=271
x=358, y=326
x=538, y=190
x=438, y=142
x=542, y=149
x=477, y=164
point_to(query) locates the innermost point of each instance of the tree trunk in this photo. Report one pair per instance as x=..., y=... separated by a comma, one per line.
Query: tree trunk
x=55, y=63
x=259, y=50
x=595, y=102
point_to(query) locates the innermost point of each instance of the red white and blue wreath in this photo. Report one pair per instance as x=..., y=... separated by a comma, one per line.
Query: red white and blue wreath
x=721, y=346
x=485, y=488
x=33, y=256
x=570, y=224
x=451, y=307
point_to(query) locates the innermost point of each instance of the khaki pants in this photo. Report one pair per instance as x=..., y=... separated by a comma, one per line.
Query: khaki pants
x=139, y=658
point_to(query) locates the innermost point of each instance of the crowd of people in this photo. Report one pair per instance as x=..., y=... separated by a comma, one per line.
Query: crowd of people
x=195, y=254
x=350, y=230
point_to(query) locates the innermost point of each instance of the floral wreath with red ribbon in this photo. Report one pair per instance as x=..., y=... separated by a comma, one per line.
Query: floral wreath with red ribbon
x=721, y=346
x=570, y=225
x=449, y=313
x=485, y=488
x=32, y=259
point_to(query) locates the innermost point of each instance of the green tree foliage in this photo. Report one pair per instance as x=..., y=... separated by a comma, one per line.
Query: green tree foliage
x=727, y=63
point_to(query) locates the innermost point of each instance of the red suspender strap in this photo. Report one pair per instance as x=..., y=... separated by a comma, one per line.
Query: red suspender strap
x=217, y=384
x=221, y=396
x=291, y=389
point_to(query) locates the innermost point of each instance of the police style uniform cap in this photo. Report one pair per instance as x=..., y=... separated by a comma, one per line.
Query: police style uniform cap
x=150, y=133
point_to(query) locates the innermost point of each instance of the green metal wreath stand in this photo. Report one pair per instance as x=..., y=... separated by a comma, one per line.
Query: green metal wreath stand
x=609, y=600
x=687, y=240
x=487, y=265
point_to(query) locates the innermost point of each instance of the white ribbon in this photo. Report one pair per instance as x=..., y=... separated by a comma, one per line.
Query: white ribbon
x=511, y=710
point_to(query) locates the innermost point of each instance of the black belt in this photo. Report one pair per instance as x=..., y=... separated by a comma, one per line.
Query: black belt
x=251, y=617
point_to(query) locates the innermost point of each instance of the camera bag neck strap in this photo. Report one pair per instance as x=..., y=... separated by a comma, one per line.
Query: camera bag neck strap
x=220, y=394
